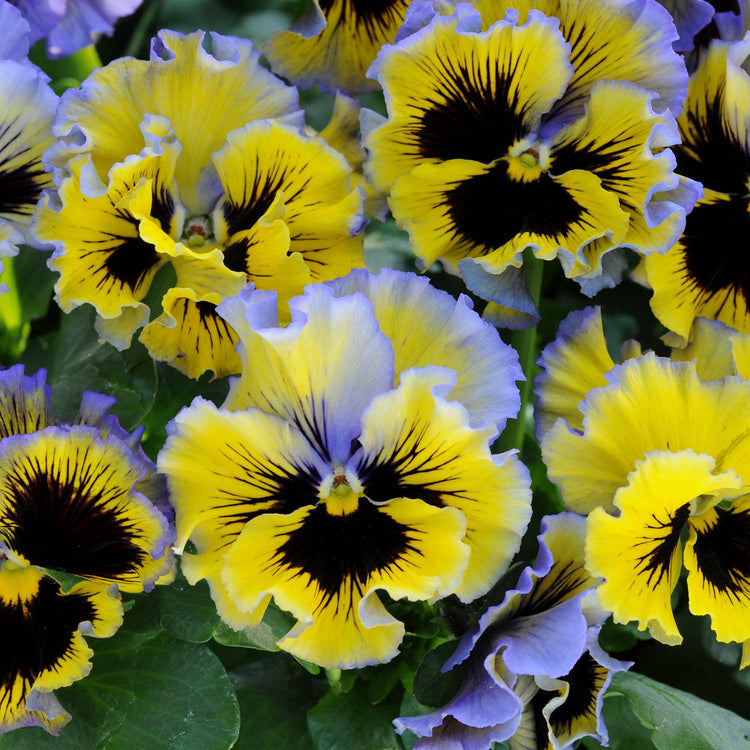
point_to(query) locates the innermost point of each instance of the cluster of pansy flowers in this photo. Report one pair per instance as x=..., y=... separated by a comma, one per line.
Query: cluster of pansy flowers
x=352, y=455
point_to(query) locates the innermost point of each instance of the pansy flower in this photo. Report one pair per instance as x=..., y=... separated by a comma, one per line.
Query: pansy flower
x=700, y=21
x=341, y=464
x=80, y=499
x=657, y=450
x=531, y=662
x=69, y=25
x=533, y=136
x=706, y=273
x=25, y=132
x=335, y=42
x=234, y=192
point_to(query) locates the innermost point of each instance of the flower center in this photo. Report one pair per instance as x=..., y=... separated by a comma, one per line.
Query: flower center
x=340, y=491
x=197, y=231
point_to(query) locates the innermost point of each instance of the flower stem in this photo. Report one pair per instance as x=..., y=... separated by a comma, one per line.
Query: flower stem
x=524, y=342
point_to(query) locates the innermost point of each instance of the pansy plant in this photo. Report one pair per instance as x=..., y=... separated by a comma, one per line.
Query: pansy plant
x=234, y=193
x=657, y=452
x=341, y=465
x=79, y=499
x=503, y=136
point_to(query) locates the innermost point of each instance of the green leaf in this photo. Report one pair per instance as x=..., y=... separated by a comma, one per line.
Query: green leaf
x=274, y=694
x=174, y=391
x=678, y=719
x=625, y=731
x=146, y=690
x=348, y=720
x=76, y=361
x=36, y=281
x=275, y=625
x=431, y=686
x=187, y=612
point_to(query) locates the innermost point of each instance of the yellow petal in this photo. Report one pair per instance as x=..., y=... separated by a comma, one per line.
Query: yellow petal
x=639, y=553
x=325, y=569
x=651, y=404
x=416, y=444
x=719, y=575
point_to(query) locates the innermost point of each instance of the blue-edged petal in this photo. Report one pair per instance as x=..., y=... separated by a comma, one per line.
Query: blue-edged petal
x=417, y=444
x=69, y=501
x=320, y=372
x=689, y=16
x=574, y=363
x=104, y=116
x=14, y=44
x=335, y=42
x=24, y=401
x=25, y=133
x=44, y=627
x=510, y=304
x=427, y=326
x=40, y=15
x=83, y=21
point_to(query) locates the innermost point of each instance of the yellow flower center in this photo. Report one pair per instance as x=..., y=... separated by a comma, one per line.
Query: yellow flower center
x=525, y=167
x=340, y=492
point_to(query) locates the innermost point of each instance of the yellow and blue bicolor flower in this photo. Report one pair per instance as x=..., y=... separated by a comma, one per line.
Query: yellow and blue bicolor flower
x=25, y=133
x=222, y=188
x=705, y=274
x=80, y=499
x=657, y=452
x=335, y=42
x=502, y=136
x=341, y=465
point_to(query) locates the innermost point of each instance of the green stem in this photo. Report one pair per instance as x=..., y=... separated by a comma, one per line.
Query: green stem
x=13, y=329
x=141, y=30
x=524, y=342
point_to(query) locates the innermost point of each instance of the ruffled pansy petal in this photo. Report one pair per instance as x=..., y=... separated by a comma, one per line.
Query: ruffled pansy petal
x=68, y=501
x=44, y=626
x=315, y=372
x=16, y=34
x=575, y=363
x=416, y=444
x=624, y=142
x=24, y=402
x=427, y=326
x=576, y=710
x=639, y=553
x=689, y=16
x=718, y=569
x=268, y=162
x=451, y=211
x=25, y=133
x=82, y=22
x=325, y=569
x=464, y=95
x=715, y=118
x=100, y=255
x=333, y=45
x=704, y=274
x=714, y=347
x=191, y=336
x=599, y=32
x=547, y=601
x=650, y=404
x=224, y=468
x=541, y=625
x=108, y=109
x=622, y=41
